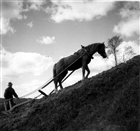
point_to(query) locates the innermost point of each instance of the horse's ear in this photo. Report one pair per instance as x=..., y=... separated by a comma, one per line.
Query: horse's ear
x=82, y=47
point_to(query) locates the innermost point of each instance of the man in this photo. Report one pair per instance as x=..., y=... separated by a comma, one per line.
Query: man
x=9, y=93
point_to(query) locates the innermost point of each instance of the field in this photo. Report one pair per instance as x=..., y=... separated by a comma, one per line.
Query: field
x=108, y=101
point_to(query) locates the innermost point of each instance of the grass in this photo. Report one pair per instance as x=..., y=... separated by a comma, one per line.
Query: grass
x=106, y=102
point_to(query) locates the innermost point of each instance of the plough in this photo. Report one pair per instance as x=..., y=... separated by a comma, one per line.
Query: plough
x=39, y=89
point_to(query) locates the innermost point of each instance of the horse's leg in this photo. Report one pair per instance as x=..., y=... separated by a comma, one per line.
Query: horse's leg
x=60, y=84
x=88, y=71
x=83, y=69
x=62, y=77
x=55, y=83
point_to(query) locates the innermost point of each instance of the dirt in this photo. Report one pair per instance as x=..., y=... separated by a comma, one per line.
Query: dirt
x=108, y=101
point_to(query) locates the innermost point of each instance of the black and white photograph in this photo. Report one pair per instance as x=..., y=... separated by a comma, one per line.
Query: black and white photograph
x=69, y=65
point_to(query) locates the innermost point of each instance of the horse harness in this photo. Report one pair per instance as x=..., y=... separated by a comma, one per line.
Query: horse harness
x=89, y=54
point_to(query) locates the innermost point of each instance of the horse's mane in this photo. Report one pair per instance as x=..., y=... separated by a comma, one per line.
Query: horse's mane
x=88, y=47
x=92, y=45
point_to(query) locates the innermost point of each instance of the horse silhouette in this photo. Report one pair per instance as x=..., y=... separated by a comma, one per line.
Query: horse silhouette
x=79, y=59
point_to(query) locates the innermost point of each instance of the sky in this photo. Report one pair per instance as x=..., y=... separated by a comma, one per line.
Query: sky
x=35, y=34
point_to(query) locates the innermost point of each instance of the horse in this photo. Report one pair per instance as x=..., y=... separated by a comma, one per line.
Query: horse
x=79, y=59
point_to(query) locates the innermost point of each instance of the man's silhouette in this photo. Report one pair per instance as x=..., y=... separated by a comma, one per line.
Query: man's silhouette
x=9, y=93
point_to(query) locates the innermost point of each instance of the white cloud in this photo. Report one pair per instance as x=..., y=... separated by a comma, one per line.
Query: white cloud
x=122, y=55
x=15, y=64
x=128, y=28
x=5, y=26
x=30, y=24
x=133, y=44
x=27, y=88
x=129, y=25
x=80, y=10
x=10, y=10
x=30, y=89
x=98, y=64
x=46, y=40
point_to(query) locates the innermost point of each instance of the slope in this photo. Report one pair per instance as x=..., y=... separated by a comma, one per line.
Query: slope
x=108, y=101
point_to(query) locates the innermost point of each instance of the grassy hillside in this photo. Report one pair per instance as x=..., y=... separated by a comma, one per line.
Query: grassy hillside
x=106, y=102
x=1, y=104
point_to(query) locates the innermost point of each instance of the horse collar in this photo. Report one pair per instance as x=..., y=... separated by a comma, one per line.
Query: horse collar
x=89, y=54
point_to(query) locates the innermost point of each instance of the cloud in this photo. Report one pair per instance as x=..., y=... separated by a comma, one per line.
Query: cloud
x=98, y=64
x=60, y=10
x=129, y=28
x=133, y=44
x=129, y=25
x=10, y=10
x=46, y=40
x=16, y=64
x=27, y=88
x=123, y=55
x=35, y=4
x=30, y=24
x=80, y=10
x=30, y=89
x=5, y=26
x=75, y=77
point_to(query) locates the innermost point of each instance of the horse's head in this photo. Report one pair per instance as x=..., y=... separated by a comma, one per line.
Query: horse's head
x=101, y=50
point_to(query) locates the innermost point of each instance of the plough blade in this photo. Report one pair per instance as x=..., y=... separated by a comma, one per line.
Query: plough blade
x=43, y=93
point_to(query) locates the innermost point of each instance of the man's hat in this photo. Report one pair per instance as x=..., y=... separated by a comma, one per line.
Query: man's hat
x=10, y=83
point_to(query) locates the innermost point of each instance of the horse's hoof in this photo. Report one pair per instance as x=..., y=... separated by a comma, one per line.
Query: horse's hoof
x=84, y=78
x=55, y=91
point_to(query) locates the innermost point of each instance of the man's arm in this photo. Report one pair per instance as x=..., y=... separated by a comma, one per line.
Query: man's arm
x=15, y=94
x=5, y=94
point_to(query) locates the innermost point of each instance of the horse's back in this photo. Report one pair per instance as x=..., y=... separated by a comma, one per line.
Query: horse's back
x=71, y=62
